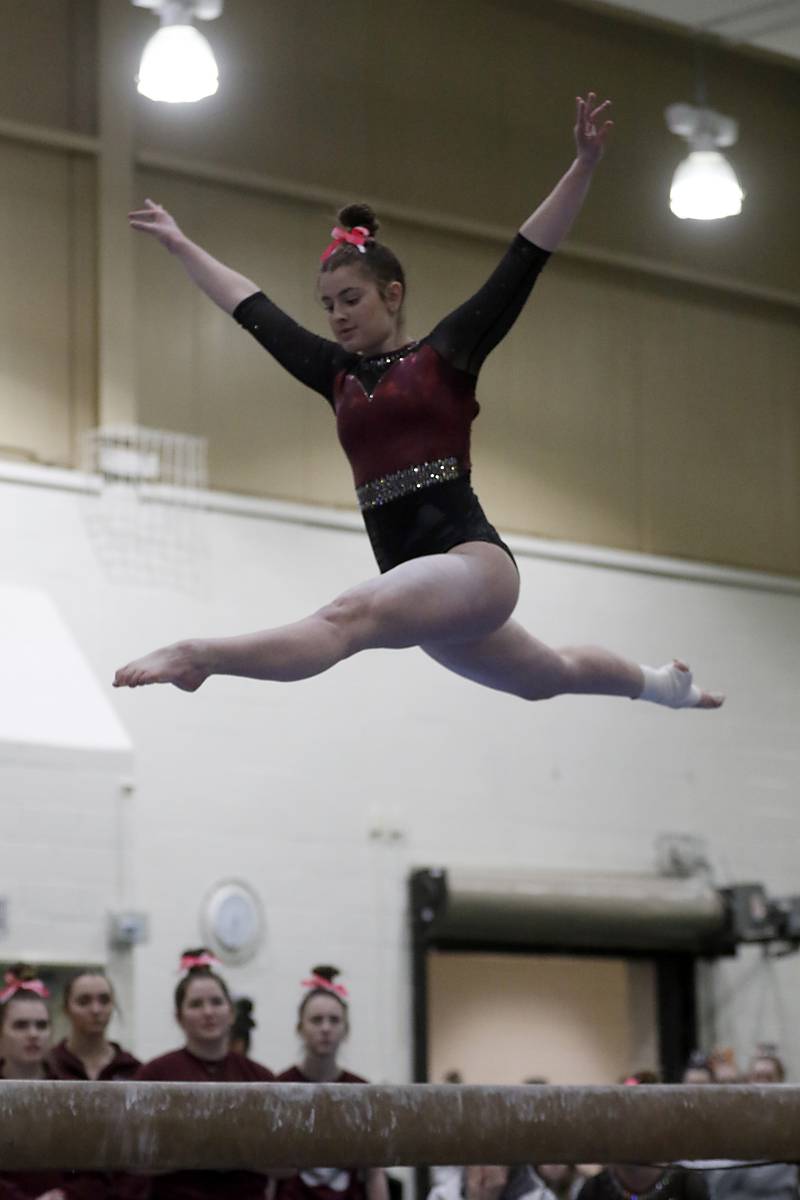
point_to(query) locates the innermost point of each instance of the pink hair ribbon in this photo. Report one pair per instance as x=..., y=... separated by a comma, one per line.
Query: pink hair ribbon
x=14, y=985
x=189, y=961
x=327, y=985
x=356, y=236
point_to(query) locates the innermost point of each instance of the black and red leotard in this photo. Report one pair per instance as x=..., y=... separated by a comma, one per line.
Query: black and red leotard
x=404, y=418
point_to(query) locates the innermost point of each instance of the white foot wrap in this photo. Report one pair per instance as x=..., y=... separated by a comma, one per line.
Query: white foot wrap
x=669, y=685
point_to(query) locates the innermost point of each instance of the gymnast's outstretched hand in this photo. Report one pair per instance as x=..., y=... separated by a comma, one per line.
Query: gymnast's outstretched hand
x=551, y=222
x=225, y=287
x=155, y=220
x=591, y=136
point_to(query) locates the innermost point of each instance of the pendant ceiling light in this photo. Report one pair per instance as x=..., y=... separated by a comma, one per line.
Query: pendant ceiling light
x=178, y=64
x=704, y=186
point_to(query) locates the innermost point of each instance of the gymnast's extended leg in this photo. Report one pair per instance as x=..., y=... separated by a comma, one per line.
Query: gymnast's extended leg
x=457, y=606
x=436, y=598
x=511, y=660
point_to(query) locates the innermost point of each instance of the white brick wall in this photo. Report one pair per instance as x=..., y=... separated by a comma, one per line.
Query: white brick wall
x=280, y=785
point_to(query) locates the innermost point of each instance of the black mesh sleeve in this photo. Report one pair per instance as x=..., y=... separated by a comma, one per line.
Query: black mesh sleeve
x=472, y=331
x=313, y=360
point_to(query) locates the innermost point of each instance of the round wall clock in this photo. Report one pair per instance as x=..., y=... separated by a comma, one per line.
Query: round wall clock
x=232, y=921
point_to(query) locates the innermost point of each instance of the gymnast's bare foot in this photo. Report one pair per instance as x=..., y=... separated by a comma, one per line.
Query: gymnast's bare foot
x=707, y=699
x=184, y=664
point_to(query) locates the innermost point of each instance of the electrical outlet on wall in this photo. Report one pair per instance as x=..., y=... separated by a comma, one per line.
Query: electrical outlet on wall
x=384, y=824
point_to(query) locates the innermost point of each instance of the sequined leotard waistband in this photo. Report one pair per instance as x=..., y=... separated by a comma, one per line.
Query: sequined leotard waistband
x=402, y=483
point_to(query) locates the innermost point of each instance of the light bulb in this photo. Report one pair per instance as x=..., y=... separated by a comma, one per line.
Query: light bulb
x=178, y=66
x=705, y=188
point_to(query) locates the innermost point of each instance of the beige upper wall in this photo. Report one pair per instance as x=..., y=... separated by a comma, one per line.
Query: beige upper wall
x=49, y=63
x=464, y=107
x=47, y=302
x=624, y=409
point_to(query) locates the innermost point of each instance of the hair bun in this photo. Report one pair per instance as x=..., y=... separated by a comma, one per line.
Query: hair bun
x=325, y=972
x=358, y=214
x=23, y=973
x=244, y=1020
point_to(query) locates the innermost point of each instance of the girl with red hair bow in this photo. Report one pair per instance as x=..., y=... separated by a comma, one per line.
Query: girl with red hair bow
x=404, y=410
x=24, y=1039
x=323, y=1025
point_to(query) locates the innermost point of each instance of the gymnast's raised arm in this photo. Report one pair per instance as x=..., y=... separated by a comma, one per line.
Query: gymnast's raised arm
x=225, y=287
x=554, y=217
x=472, y=331
x=311, y=359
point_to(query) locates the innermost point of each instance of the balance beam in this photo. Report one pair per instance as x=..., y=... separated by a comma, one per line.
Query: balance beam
x=170, y=1126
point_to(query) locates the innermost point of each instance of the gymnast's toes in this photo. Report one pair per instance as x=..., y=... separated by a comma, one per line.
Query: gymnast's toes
x=123, y=677
x=178, y=664
x=706, y=699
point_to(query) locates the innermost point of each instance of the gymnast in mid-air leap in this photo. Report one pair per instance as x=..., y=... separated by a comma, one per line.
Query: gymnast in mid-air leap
x=404, y=409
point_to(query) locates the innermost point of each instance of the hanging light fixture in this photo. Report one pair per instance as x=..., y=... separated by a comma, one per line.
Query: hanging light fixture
x=178, y=64
x=704, y=186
